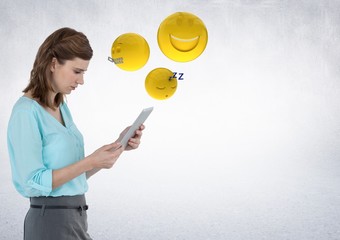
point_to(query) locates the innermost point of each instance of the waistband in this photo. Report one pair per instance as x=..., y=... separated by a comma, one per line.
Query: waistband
x=63, y=202
x=78, y=200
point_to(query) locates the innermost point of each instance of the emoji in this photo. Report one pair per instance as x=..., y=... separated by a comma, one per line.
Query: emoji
x=160, y=83
x=130, y=51
x=182, y=37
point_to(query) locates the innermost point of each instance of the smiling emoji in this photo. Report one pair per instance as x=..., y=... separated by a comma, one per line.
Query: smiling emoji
x=182, y=37
x=160, y=83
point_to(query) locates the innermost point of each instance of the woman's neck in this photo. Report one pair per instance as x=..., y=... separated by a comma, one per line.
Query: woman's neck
x=51, y=96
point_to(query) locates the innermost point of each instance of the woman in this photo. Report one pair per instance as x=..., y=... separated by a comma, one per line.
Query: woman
x=45, y=147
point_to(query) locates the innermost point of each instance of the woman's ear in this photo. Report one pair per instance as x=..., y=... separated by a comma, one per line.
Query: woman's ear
x=53, y=64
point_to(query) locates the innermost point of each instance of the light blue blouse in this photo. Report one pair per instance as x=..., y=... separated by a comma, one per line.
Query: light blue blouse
x=38, y=144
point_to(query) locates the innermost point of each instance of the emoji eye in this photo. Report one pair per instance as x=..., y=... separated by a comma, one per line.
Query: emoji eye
x=118, y=49
x=174, y=86
x=160, y=88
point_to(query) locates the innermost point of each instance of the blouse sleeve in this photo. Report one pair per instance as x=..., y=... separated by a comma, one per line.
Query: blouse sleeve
x=30, y=176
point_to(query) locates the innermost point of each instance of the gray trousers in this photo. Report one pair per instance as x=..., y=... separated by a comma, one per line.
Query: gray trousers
x=56, y=218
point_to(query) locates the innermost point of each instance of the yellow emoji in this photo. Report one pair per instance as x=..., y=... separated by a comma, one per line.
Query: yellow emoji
x=130, y=51
x=182, y=37
x=160, y=83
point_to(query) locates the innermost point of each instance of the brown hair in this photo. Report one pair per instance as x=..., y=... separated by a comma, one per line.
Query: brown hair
x=63, y=44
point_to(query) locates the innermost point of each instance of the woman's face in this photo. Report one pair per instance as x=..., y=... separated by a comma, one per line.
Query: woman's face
x=66, y=77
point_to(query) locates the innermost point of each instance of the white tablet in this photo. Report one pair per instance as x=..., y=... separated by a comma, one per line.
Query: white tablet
x=137, y=123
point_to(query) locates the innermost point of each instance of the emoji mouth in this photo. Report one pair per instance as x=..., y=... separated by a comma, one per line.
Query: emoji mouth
x=184, y=44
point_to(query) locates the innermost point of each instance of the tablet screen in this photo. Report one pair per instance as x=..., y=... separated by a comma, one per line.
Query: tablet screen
x=137, y=123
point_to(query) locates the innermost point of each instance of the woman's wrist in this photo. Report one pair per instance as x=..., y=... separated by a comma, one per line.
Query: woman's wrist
x=89, y=161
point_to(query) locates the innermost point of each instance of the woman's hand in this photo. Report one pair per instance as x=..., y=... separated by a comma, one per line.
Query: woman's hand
x=103, y=157
x=133, y=142
x=106, y=156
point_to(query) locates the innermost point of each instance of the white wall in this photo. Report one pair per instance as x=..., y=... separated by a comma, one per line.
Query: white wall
x=247, y=148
